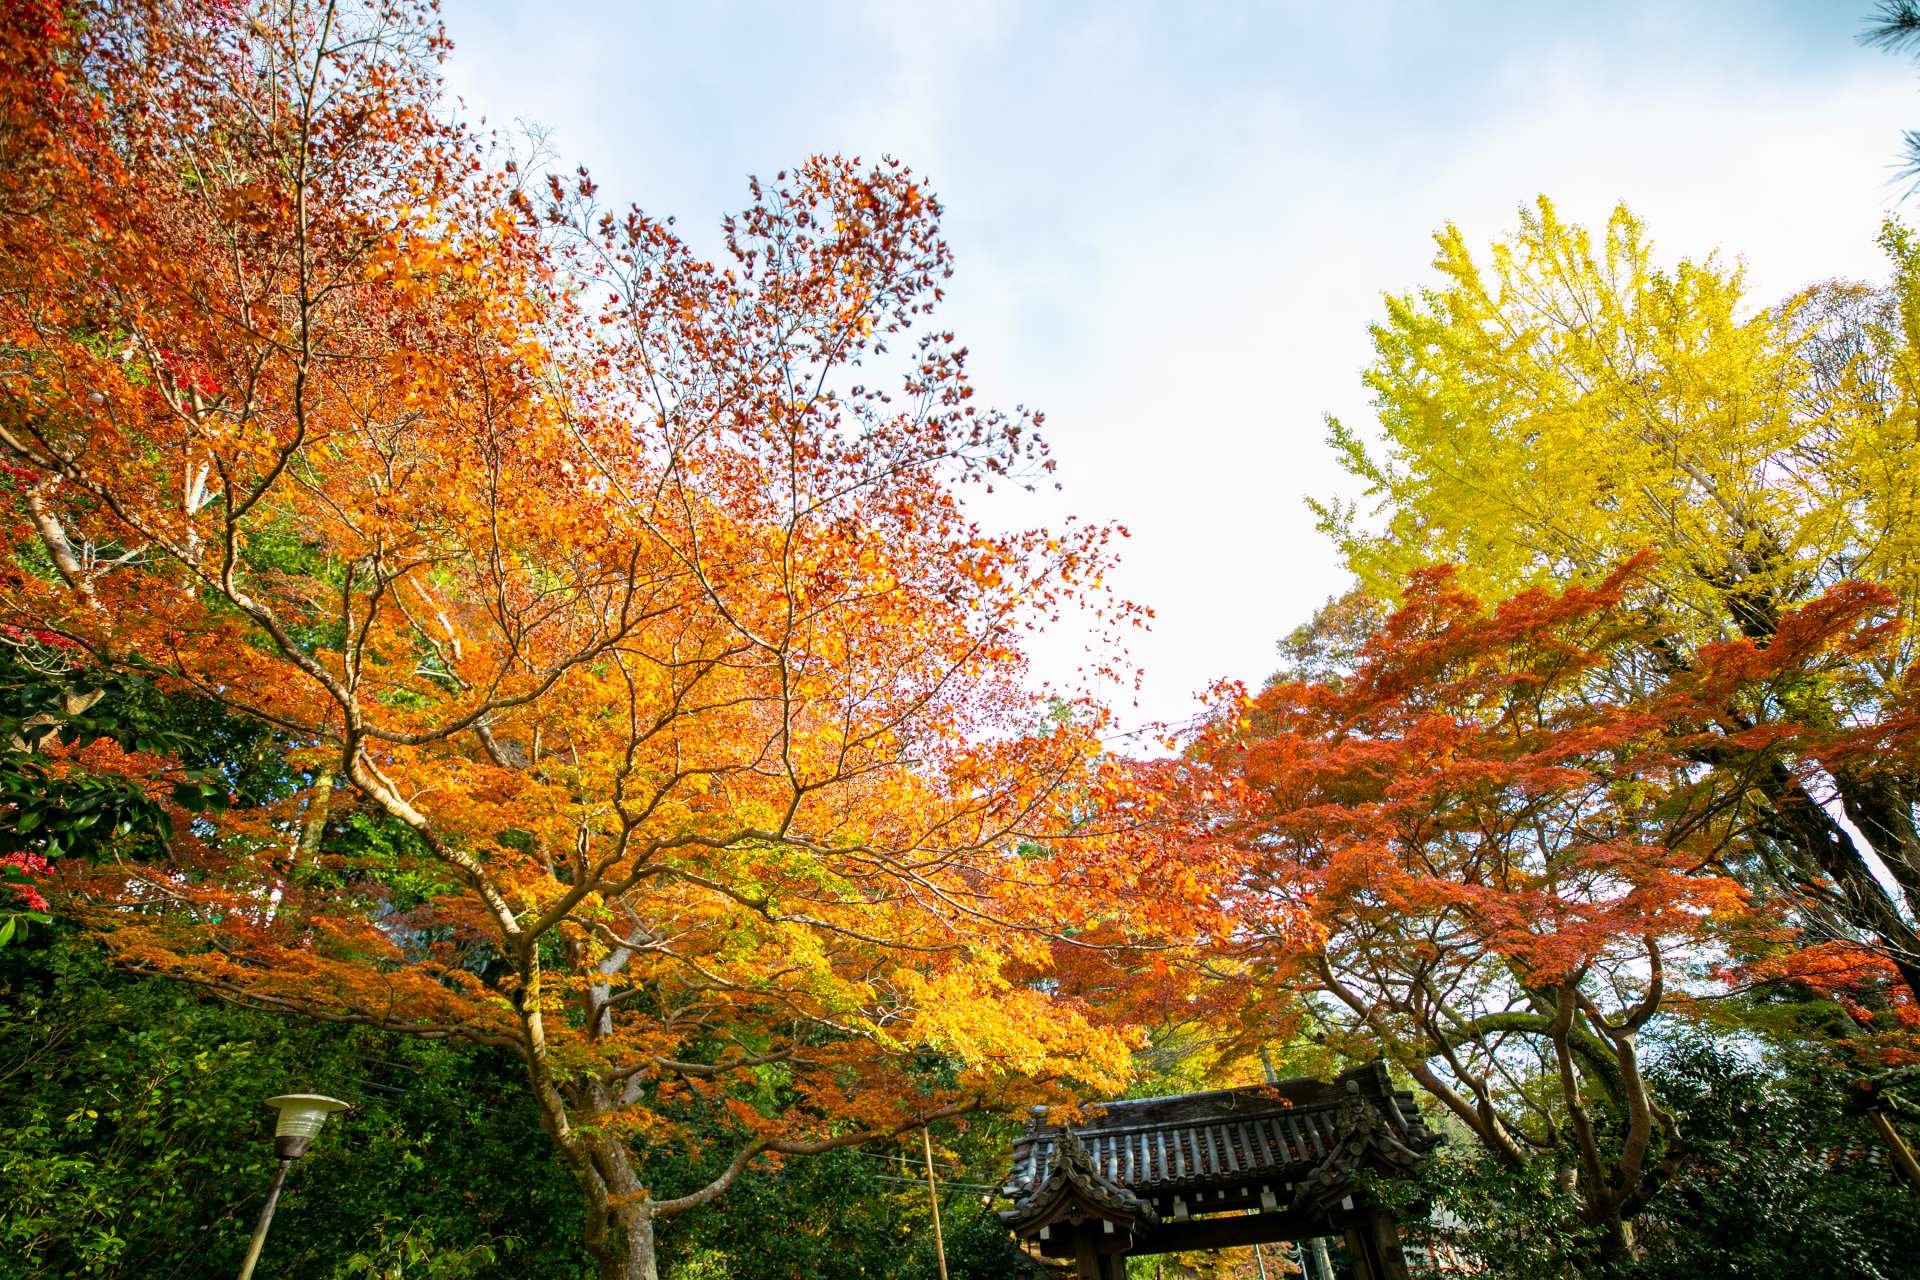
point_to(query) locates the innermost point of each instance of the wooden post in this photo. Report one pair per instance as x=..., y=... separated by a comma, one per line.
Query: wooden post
x=933, y=1198
x=1361, y=1254
x=1374, y=1242
x=1897, y=1148
x=1086, y=1263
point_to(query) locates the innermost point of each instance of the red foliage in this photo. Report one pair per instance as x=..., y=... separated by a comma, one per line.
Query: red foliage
x=1497, y=802
x=14, y=867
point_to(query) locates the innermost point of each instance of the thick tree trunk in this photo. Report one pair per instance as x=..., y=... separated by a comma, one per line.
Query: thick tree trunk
x=1822, y=846
x=619, y=1231
x=1880, y=805
x=625, y=1249
x=1615, y=1251
x=630, y=1255
x=619, y=1228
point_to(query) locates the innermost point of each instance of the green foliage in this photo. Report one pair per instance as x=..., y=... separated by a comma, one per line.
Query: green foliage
x=850, y=1214
x=137, y=1143
x=1793, y=1186
x=1782, y=1183
x=380, y=850
x=138, y=1147
x=54, y=805
x=68, y=811
x=842, y=1214
x=1519, y=1223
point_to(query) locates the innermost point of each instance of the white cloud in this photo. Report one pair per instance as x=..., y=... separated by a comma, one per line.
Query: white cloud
x=1174, y=225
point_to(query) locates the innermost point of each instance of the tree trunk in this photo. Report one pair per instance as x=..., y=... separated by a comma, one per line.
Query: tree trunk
x=1880, y=805
x=1822, y=846
x=630, y=1254
x=622, y=1240
x=1614, y=1252
x=619, y=1227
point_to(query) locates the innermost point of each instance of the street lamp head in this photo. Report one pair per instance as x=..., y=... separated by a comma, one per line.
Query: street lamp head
x=301, y=1115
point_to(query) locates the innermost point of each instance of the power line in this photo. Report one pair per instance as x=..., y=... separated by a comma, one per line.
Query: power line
x=945, y=1182
x=896, y=1158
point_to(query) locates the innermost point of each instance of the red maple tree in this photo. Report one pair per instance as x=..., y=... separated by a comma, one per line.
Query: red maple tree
x=1489, y=848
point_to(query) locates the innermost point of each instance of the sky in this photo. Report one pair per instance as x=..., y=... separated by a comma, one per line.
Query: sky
x=1173, y=222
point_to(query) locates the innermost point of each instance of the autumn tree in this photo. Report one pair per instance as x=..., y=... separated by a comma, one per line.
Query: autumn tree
x=1564, y=403
x=1468, y=851
x=622, y=605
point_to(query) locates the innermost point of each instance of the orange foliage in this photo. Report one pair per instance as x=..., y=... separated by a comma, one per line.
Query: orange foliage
x=633, y=595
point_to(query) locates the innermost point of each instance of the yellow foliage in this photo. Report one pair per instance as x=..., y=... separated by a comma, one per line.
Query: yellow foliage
x=1551, y=408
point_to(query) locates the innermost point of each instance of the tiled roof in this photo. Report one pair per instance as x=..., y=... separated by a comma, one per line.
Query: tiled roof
x=1273, y=1134
x=1150, y=1155
x=1073, y=1183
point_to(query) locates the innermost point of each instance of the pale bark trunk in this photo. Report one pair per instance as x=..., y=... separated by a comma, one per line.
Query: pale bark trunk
x=635, y=1259
x=53, y=535
x=625, y=1248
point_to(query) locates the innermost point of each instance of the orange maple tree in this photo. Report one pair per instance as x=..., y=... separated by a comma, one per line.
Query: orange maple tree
x=1486, y=846
x=629, y=599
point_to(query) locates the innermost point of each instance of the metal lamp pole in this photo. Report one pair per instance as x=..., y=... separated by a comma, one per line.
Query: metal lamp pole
x=300, y=1118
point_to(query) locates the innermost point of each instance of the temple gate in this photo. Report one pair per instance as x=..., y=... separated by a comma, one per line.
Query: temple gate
x=1255, y=1165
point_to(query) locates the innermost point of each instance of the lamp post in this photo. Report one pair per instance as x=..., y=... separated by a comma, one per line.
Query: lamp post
x=300, y=1118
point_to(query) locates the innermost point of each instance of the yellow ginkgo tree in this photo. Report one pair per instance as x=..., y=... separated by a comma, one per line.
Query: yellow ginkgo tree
x=1550, y=409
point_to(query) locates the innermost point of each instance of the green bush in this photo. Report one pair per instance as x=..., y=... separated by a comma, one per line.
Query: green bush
x=1778, y=1182
x=138, y=1146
